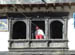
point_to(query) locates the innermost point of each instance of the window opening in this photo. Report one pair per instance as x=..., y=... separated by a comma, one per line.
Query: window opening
x=56, y=28
x=40, y=24
x=19, y=30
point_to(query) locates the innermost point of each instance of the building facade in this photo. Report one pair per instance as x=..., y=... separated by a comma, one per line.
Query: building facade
x=52, y=18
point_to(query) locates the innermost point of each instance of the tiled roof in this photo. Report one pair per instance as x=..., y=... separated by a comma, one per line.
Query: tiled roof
x=34, y=1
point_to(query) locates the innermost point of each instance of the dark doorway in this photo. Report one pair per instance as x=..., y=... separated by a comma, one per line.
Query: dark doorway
x=19, y=30
x=56, y=30
x=41, y=25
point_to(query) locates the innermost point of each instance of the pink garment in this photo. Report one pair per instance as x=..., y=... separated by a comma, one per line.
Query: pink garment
x=39, y=36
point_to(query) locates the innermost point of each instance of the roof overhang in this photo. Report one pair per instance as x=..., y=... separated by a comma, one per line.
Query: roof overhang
x=40, y=5
x=34, y=1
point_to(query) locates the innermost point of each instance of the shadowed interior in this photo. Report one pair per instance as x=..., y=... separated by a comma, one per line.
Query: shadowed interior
x=56, y=30
x=19, y=30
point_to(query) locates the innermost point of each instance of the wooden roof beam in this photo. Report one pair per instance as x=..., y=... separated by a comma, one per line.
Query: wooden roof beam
x=47, y=6
x=38, y=6
x=30, y=6
x=15, y=7
x=62, y=5
x=54, y=5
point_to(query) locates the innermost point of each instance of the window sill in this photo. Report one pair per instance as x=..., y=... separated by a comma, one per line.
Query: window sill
x=37, y=40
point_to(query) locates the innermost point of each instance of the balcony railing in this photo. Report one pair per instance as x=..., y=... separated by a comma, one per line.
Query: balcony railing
x=34, y=1
x=20, y=44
